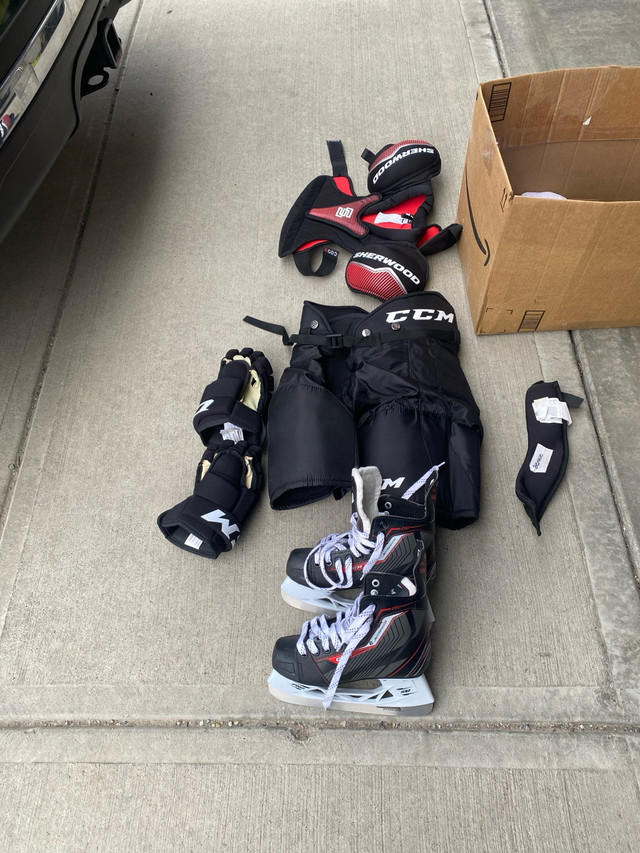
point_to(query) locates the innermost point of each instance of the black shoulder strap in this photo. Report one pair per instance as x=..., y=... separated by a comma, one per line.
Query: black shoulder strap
x=270, y=327
x=444, y=239
x=338, y=161
x=369, y=156
x=327, y=264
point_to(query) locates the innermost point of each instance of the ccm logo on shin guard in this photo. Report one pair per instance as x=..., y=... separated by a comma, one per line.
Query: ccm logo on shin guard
x=420, y=314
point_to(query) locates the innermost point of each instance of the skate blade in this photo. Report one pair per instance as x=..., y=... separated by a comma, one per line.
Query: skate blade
x=394, y=697
x=323, y=602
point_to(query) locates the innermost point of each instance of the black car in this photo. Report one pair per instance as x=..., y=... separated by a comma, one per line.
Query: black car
x=52, y=54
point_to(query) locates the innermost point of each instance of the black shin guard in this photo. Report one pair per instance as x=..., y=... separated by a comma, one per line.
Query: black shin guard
x=548, y=447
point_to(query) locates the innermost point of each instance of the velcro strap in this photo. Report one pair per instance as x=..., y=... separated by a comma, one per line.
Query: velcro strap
x=338, y=160
x=368, y=155
x=444, y=239
x=335, y=342
x=247, y=419
x=327, y=264
x=219, y=398
x=274, y=328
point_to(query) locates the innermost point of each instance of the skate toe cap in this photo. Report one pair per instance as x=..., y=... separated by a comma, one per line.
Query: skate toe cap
x=284, y=658
x=295, y=564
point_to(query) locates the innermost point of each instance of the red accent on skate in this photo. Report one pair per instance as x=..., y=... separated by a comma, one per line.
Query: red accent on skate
x=420, y=650
x=359, y=651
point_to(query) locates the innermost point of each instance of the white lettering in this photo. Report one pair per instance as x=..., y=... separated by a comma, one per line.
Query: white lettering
x=204, y=406
x=399, y=156
x=216, y=516
x=420, y=314
x=390, y=263
x=423, y=313
x=384, y=623
x=397, y=316
x=392, y=484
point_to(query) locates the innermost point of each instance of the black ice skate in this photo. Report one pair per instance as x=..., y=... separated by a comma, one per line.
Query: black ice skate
x=382, y=538
x=384, y=636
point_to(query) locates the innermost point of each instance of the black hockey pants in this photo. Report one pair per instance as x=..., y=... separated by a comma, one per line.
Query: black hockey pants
x=383, y=388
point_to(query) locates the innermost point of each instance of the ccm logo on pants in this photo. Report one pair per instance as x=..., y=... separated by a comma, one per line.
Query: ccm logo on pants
x=419, y=314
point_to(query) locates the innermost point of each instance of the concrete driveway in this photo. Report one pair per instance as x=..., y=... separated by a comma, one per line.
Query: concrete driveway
x=134, y=710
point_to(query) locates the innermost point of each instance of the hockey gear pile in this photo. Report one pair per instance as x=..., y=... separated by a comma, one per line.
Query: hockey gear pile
x=383, y=634
x=231, y=422
x=370, y=402
x=386, y=229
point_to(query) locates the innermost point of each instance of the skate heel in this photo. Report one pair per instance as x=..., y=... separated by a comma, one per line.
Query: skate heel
x=406, y=696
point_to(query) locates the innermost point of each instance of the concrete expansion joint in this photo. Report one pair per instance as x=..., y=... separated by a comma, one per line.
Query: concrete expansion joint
x=303, y=731
x=616, y=488
x=495, y=37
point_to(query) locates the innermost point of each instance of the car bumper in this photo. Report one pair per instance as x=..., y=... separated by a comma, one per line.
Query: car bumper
x=40, y=98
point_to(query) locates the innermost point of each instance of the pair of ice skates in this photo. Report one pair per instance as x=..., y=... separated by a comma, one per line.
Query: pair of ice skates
x=370, y=652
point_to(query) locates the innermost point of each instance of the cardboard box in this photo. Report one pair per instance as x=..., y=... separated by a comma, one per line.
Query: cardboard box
x=535, y=264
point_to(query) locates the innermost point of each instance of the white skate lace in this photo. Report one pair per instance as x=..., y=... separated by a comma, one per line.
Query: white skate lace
x=421, y=482
x=347, y=629
x=353, y=540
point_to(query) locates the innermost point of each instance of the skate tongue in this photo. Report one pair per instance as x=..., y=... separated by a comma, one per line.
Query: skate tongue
x=379, y=583
x=367, y=485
